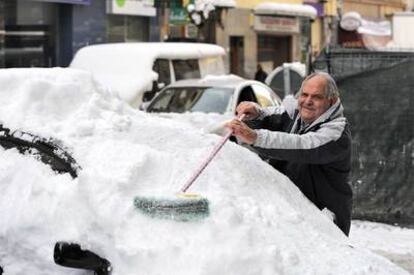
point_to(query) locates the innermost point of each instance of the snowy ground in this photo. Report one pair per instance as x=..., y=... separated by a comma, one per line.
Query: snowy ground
x=393, y=242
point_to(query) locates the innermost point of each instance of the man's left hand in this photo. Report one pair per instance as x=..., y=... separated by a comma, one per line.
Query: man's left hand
x=242, y=131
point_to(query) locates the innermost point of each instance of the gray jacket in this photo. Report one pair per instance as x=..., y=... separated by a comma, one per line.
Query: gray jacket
x=316, y=158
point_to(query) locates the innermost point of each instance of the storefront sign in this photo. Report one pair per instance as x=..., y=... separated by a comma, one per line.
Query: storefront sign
x=81, y=2
x=132, y=7
x=178, y=16
x=276, y=24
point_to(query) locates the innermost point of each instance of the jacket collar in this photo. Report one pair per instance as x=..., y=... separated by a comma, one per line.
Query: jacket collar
x=335, y=111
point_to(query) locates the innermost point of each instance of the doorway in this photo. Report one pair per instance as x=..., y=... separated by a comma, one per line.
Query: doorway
x=237, y=55
x=273, y=51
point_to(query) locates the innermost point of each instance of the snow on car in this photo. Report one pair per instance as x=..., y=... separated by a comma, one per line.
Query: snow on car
x=259, y=222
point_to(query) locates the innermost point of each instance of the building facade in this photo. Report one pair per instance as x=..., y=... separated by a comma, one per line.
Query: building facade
x=268, y=33
x=373, y=9
x=46, y=33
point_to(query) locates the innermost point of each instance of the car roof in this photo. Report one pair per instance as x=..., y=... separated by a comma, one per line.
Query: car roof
x=226, y=81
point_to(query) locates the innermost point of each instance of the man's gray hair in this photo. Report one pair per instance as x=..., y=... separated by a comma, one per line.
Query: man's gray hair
x=331, y=90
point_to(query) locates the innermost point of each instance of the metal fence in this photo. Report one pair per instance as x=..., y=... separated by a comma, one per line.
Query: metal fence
x=346, y=62
x=377, y=91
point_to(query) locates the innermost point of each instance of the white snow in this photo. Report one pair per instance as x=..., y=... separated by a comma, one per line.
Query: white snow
x=371, y=235
x=393, y=242
x=285, y=9
x=260, y=223
x=352, y=21
x=206, y=6
x=221, y=3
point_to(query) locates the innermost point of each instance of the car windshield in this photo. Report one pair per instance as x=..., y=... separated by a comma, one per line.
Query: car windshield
x=192, y=99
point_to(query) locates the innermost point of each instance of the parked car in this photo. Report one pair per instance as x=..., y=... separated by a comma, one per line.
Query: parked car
x=211, y=95
x=68, y=193
x=136, y=71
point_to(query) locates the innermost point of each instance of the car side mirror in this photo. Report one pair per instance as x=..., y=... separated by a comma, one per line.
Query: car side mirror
x=71, y=255
x=144, y=105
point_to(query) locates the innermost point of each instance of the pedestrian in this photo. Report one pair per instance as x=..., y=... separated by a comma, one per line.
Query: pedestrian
x=260, y=74
x=308, y=140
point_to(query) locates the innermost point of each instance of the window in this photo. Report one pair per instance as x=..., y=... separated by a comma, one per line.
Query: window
x=162, y=68
x=127, y=28
x=186, y=69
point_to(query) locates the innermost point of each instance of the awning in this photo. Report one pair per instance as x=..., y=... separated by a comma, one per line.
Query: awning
x=285, y=9
x=353, y=21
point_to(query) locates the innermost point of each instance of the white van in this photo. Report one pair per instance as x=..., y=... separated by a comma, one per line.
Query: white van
x=136, y=71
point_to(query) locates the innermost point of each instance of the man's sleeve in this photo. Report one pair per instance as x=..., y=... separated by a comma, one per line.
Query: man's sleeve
x=330, y=143
x=288, y=106
x=273, y=118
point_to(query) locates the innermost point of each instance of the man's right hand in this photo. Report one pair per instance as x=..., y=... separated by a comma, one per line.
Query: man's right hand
x=250, y=109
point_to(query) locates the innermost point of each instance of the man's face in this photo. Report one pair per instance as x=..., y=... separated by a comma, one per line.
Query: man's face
x=313, y=101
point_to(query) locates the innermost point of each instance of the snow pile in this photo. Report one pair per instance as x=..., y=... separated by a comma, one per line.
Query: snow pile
x=259, y=223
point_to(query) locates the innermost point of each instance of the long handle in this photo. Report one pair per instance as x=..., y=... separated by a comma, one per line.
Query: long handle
x=203, y=165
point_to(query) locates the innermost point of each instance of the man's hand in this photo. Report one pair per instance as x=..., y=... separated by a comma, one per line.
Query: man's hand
x=250, y=109
x=242, y=131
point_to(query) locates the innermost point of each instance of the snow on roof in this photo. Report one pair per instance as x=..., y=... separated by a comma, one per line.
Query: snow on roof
x=352, y=21
x=206, y=6
x=216, y=3
x=127, y=67
x=225, y=3
x=285, y=9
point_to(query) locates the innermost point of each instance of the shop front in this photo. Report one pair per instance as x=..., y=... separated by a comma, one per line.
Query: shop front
x=180, y=27
x=129, y=21
x=283, y=33
x=31, y=31
x=268, y=34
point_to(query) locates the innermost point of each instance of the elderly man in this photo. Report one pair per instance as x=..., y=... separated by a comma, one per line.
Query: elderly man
x=309, y=141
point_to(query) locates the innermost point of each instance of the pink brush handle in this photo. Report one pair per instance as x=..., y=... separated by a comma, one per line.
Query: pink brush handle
x=214, y=152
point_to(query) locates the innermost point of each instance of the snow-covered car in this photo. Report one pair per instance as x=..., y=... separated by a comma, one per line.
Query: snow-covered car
x=208, y=102
x=258, y=221
x=136, y=71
